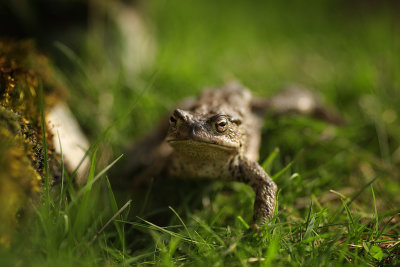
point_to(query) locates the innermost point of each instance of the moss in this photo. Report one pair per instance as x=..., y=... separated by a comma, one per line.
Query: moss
x=22, y=69
x=19, y=180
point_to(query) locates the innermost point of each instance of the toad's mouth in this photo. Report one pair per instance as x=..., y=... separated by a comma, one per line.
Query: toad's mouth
x=202, y=142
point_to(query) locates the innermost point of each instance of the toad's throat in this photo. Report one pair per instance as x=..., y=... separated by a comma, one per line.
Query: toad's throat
x=174, y=142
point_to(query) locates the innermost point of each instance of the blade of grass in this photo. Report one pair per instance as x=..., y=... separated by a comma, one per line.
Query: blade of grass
x=349, y=216
x=208, y=229
x=114, y=208
x=109, y=221
x=275, y=215
x=245, y=225
x=339, y=210
x=277, y=175
x=73, y=57
x=139, y=257
x=62, y=171
x=180, y=219
x=266, y=165
x=91, y=182
x=161, y=229
x=91, y=173
x=375, y=212
x=82, y=209
x=384, y=227
x=309, y=225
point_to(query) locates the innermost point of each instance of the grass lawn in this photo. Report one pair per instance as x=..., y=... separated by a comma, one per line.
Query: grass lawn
x=339, y=186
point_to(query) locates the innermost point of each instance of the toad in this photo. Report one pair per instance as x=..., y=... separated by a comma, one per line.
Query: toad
x=217, y=136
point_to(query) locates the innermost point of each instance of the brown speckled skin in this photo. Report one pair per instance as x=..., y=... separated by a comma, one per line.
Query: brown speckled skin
x=200, y=151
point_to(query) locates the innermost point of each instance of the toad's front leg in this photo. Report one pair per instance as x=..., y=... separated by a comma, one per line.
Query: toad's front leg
x=253, y=174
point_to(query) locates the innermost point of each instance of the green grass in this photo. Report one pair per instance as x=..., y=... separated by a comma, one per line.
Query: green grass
x=338, y=200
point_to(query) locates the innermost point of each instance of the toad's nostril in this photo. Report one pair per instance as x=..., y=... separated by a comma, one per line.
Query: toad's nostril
x=172, y=120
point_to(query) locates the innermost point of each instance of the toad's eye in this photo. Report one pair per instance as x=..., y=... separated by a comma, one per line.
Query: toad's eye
x=221, y=125
x=172, y=120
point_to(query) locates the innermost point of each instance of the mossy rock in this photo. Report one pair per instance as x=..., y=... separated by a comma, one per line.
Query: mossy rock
x=23, y=71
